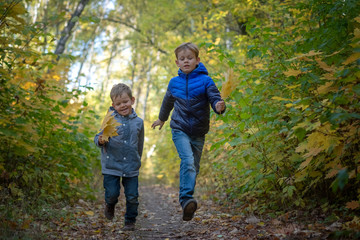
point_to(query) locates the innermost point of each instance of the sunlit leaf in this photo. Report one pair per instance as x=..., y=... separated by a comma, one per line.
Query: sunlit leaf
x=292, y=72
x=323, y=65
x=229, y=84
x=280, y=98
x=309, y=54
x=352, y=58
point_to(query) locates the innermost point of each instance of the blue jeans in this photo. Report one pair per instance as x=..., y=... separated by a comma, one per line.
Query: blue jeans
x=112, y=192
x=189, y=150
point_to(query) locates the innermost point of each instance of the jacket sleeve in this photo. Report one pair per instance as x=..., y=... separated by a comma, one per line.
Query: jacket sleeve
x=141, y=140
x=167, y=105
x=96, y=140
x=213, y=95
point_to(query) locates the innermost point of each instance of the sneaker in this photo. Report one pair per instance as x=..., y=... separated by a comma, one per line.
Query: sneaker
x=189, y=209
x=129, y=227
x=109, y=211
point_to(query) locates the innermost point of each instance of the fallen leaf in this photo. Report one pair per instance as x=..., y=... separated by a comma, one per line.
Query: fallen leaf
x=276, y=222
x=249, y=226
x=252, y=219
x=89, y=213
x=352, y=205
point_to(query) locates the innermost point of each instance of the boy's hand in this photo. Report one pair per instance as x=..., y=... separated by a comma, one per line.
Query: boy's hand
x=159, y=123
x=101, y=140
x=220, y=106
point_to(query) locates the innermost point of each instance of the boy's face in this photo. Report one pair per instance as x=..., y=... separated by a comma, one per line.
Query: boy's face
x=187, y=61
x=123, y=104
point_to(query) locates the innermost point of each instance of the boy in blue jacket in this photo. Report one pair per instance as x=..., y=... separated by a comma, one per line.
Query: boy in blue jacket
x=121, y=155
x=190, y=95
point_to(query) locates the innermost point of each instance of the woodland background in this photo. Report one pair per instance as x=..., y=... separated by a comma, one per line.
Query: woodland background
x=288, y=71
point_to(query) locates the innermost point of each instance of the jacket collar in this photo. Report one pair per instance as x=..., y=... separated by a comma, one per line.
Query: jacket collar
x=132, y=115
x=200, y=69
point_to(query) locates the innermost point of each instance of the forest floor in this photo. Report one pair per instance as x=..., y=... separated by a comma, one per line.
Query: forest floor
x=160, y=217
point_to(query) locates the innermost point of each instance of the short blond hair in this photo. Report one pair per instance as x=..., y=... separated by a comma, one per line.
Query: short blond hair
x=119, y=89
x=188, y=45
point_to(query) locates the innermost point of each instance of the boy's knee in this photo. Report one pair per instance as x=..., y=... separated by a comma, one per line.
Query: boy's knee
x=189, y=166
x=132, y=200
x=112, y=196
x=112, y=200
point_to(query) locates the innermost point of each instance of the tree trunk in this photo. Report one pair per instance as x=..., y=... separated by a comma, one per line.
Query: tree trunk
x=45, y=27
x=148, y=83
x=65, y=34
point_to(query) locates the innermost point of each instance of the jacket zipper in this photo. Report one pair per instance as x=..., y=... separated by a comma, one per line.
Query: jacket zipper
x=187, y=100
x=187, y=92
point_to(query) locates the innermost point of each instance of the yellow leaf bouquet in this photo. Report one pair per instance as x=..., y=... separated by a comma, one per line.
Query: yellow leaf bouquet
x=108, y=126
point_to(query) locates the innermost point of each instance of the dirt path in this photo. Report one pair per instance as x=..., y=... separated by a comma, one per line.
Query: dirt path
x=160, y=218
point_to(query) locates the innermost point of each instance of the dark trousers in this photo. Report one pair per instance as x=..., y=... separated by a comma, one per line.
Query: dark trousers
x=112, y=193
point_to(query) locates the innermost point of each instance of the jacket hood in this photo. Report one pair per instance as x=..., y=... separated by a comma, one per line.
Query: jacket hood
x=200, y=69
x=132, y=114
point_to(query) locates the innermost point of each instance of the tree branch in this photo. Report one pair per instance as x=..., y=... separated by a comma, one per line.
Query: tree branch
x=148, y=39
x=65, y=34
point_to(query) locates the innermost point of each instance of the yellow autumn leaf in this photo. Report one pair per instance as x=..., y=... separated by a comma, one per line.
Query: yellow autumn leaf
x=301, y=148
x=305, y=163
x=357, y=33
x=326, y=88
x=305, y=55
x=293, y=86
x=334, y=53
x=313, y=152
x=352, y=58
x=321, y=140
x=292, y=72
x=108, y=126
x=306, y=59
x=357, y=19
x=229, y=84
x=17, y=9
x=56, y=77
x=332, y=173
x=302, y=106
x=89, y=213
x=280, y=98
x=328, y=76
x=312, y=53
x=353, y=173
x=323, y=65
x=316, y=140
x=353, y=205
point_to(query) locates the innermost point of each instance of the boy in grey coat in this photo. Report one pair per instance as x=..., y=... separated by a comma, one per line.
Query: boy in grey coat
x=121, y=155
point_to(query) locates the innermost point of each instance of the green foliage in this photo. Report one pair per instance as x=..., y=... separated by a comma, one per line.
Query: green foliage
x=293, y=109
x=44, y=151
x=288, y=70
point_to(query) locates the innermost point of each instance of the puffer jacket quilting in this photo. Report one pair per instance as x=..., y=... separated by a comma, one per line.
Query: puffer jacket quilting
x=190, y=95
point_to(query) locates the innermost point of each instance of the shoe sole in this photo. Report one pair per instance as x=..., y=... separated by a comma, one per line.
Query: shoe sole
x=189, y=210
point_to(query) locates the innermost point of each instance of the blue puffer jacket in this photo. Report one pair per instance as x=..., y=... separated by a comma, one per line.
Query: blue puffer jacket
x=190, y=95
x=121, y=156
